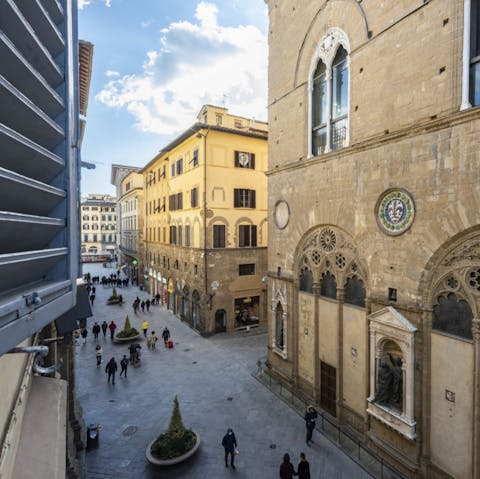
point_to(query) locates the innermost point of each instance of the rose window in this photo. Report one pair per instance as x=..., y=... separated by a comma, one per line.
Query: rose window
x=452, y=282
x=328, y=240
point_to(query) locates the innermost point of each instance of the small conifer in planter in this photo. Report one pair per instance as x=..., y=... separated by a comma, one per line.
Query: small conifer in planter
x=177, y=440
x=127, y=331
x=114, y=296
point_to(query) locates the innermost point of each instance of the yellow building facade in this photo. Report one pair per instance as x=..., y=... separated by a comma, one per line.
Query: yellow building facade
x=205, y=233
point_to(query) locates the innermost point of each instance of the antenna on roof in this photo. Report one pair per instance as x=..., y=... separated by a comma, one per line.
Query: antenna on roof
x=224, y=100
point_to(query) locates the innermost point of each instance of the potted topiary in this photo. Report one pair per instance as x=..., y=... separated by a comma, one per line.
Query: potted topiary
x=127, y=333
x=176, y=445
x=115, y=298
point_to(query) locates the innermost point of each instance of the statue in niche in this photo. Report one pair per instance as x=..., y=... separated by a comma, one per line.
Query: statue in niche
x=389, y=391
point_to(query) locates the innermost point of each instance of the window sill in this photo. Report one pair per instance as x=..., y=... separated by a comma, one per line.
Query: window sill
x=393, y=419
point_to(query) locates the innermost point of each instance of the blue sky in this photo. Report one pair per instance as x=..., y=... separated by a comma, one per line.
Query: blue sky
x=155, y=63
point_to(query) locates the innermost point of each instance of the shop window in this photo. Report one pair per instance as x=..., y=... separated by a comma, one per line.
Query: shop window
x=246, y=310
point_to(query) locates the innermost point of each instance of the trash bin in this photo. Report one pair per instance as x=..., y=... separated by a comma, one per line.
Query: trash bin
x=93, y=433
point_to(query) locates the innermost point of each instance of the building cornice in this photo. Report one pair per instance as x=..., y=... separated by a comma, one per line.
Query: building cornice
x=428, y=126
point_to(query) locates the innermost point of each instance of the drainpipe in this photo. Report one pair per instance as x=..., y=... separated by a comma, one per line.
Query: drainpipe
x=40, y=353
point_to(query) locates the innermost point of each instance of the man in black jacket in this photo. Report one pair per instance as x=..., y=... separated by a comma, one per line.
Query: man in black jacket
x=310, y=418
x=303, y=471
x=229, y=443
x=111, y=369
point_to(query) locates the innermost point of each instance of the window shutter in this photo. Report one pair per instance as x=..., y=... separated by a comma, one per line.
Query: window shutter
x=241, y=236
x=236, y=198
x=254, y=236
x=252, y=161
x=252, y=199
x=237, y=163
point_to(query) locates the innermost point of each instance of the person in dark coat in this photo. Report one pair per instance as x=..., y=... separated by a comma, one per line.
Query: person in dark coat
x=310, y=418
x=84, y=335
x=303, y=470
x=124, y=364
x=112, y=327
x=96, y=330
x=104, y=329
x=229, y=443
x=142, y=305
x=147, y=304
x=286, y=468
x=111, y=369
x=92, y=298
x=165, y=336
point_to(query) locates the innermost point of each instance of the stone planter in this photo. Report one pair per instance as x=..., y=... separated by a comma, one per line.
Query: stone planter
x=176, y=460
x=126, y=340
x=114, y=301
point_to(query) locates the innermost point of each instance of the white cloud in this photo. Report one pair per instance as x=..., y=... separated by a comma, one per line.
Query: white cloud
x=112, y=73
x=196, y=63
x=84, y=3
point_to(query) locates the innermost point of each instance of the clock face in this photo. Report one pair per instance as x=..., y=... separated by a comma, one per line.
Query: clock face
x=282, y=214
x=243, y=159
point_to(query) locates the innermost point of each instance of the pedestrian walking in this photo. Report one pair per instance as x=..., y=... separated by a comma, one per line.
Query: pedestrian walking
x=286, y=468
x=124, y=364
x=153, y=301
x=303, y=469
x=153, y=340
x=112, y=327
x=88, y=289
x=92, y=298
x=310, y=418
x=94, y=290
x=111, y=369
x=104, y=329
x=147, y=304
x=229, y=443
x=157, y=298
x=96, y=331
x=84, y=335
x=142, y=305
x=135, y=307
x=166, y=336
x=98, y=354
x=145, y=327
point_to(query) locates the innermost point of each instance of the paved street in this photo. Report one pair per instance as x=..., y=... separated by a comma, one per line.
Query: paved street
x=213, y=381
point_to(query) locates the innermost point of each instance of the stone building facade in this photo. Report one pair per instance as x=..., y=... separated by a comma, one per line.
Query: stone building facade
x=374, y=239
x=98, y=224
x=205, y=228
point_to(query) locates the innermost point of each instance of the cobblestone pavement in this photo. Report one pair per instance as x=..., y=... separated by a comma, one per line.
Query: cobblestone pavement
x=212, y=378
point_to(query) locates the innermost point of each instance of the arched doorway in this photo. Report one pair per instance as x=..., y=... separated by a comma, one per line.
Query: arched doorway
x=185, y=311
x=195, y=309
x=220, y=321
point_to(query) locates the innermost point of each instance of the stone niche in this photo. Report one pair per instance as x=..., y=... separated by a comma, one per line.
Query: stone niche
x=391, y=400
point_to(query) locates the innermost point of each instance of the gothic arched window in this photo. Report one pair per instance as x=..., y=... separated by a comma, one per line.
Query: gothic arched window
x=355, y=292
x=328, y=286
x=306, y=280
x=453, y=316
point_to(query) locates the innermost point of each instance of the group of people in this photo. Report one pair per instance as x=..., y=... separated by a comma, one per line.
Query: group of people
x=112, y=367
x=145, y=304
x=152, y=338
x=287, y=470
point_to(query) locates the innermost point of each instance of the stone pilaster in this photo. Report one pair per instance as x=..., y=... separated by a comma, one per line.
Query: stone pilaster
x=341, y=300
x=476, y=398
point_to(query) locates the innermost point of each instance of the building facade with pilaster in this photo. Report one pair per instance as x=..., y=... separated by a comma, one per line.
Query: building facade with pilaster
x=374, y=243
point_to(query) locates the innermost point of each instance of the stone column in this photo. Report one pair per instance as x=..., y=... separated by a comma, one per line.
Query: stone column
x=316, y=348
x=476, y=398
x=294, y=331
x=341, y=300
x=328, y=77
x=427, y=318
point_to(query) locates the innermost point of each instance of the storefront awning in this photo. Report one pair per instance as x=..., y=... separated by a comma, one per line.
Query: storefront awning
x=68, y=322
x=42, y=446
